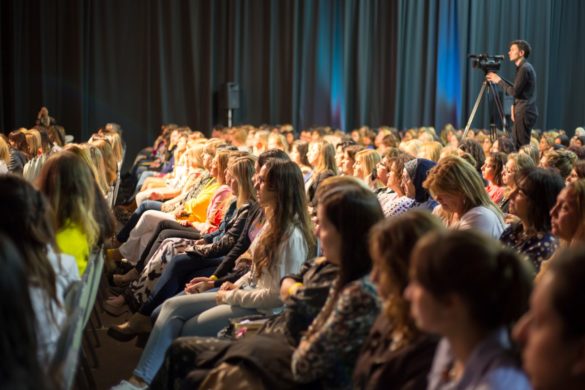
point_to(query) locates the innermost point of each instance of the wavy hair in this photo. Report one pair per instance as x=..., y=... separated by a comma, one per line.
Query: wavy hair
x=285, y=179
x=454, y=175
x=27, y=219
x=391, y=243
x=67, y=182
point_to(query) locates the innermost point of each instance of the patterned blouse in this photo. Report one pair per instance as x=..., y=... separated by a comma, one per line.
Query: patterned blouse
x=536, y=248
x=328, y=354
x=397, y=206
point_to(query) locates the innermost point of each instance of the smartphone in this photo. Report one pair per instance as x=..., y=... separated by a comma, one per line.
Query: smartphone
x=374, y=174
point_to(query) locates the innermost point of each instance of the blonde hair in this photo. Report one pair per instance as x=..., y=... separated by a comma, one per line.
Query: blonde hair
x=109, y=159
x=116, y=141
x=411, y=147
x=195, y=153
x=85, y=154
x=242, y=169
x=67, y=181
x=431, y=151
x=521, y=160
x=561, y=160
x=33, y=142
x=454, y=175
x=99, y=167
x=240, y=134
x=279, y=140
x=4, y=151
x=369, y=158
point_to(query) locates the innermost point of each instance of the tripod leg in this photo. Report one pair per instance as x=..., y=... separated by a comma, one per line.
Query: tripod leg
x=499, y=105
x=475, y=106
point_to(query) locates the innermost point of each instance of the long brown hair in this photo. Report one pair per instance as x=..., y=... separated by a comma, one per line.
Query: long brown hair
x=352, y=210
x=69, y=185
x=285, y=179
x=27, y=219
x=391, y=243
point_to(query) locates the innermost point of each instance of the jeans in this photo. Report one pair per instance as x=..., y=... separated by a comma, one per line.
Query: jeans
x=175, y=276
x=186, y=315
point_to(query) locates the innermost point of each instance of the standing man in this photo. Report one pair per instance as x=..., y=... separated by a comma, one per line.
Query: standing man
x=524, y=111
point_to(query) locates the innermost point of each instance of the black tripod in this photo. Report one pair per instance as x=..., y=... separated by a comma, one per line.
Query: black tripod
x=490, y=88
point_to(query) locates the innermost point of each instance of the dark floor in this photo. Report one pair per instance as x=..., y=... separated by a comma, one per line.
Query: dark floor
x=116, y=360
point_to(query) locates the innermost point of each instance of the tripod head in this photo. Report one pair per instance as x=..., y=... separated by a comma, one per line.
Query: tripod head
x=486, y=62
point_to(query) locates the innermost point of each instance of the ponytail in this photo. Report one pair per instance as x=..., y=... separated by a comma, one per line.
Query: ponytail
x=494, y=281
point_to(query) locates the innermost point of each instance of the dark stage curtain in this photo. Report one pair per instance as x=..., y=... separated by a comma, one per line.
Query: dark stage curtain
x=340, y=63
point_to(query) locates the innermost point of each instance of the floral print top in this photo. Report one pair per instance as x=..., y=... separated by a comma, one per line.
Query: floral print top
x=328, y=354
x=537, y=247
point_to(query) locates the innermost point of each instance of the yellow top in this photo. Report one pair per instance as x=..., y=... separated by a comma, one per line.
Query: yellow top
x=197, y=208
x=72, y=240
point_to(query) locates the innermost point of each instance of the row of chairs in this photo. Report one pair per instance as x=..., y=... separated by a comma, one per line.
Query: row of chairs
x=80, y=305
x=79, y=336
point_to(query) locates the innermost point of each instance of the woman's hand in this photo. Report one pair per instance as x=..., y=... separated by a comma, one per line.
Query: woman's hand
x=199, y=287
x=185, y=223
x=288, y=288
x=227, y=286
x=220, y=297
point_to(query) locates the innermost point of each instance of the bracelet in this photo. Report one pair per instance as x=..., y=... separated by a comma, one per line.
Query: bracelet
x=294, y=287
x=213, y=277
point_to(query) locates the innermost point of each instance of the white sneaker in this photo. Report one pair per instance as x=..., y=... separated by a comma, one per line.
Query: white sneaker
x=125, y=385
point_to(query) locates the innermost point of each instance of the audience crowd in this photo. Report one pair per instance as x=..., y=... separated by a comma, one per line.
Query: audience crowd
x=264, y=258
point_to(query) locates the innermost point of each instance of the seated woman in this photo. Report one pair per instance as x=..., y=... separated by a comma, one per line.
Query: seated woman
x=464, y=202
x=516, y=162
x=396, y=355
x=365, y=163
x=321, y=155
x=190, y=167
x=560, y=160
x=20, y=367
x=577, y=173
x=400, y=202
x=531, y=201
x=298, y=154
x=492, y=173
x=168, y=229
x=205, y=207
x=205, y=184
x=468, y=289
x=348, y=160
x=28, y=221
x=326, y=357
x=282, y=246
x=67, y=182
x=413, y=176
x=163, y=180
x=239, y=177
x=552, y=333
x=567, y=219
x=328, y=350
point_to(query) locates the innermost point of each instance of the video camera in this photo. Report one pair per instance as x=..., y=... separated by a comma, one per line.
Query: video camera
x=486, y=62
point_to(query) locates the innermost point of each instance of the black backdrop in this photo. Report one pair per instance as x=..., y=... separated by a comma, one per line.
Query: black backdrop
x=344, y=63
